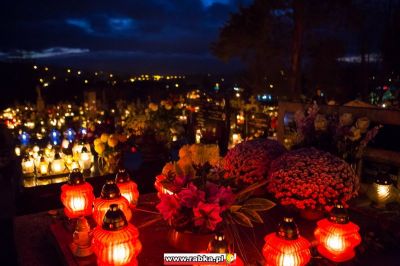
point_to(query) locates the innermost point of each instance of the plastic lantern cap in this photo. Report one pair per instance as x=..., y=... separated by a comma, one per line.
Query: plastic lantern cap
x=286, y=246
x=114, y=219
x=77, y=196
x=110, y=190
x=337, y=236
x=383, y=179
x=110, y=194
x=115, y=241
x=218, y=244
x=122, y=176
x=127, y=187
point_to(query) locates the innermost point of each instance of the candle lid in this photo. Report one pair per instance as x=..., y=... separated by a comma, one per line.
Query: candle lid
x=218, y=244
x=122, y=176
x=339, y=215
x=75, y=177
x=383, y=179
x=114, y=219
x=110, y=190
x=287, y=229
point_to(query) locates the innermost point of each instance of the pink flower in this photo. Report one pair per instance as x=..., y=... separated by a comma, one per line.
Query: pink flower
x=207, y=215
x=191, y=196
x=168, y=206
x=180, y=181
x=222, y=196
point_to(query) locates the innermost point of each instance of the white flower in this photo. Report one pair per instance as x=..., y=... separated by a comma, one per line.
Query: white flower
x=346, y=119
x=362, y=124
x=320, y=123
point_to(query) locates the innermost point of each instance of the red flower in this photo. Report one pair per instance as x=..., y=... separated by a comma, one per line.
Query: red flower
x=180, y=181
x=249, y=161
x=168, y=206
x=191, y=196
x=207, y=215
x=309, y=178
x=223, y=196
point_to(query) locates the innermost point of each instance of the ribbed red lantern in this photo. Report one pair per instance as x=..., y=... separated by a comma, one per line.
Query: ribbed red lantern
x=110, y=194
x=286, y=247
x=115, y=241
x=337, y=236
x=127, y=187
x=77, y=196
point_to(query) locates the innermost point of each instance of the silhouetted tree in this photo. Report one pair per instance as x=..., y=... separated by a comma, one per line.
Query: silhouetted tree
x=273, y=37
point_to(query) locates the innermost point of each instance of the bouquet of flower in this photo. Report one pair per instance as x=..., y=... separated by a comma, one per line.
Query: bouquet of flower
x=161, y=117
x=109, y=147
x=196, y=197
x=310, y=178
x=341, y=135
x=352, y=138
x=249, y=161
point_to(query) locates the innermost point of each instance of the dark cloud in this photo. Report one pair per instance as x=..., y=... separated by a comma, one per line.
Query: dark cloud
x=160, y=28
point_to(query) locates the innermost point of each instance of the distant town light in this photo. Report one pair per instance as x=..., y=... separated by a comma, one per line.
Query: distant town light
x=69, y=70
x=176, y=85
x=45, y=84
x=46, y=69
x=111, y=75
x=237, y=95
x=79, y=72
x=86, y=81
x=271, y=86
x=35, y=67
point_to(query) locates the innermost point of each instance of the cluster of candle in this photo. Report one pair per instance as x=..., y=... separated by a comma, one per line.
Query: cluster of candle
x=53, y=161
x=337, y=237
x=115, y=240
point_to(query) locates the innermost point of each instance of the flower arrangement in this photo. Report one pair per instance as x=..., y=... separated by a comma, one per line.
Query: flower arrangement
x=162, y=117
x=310, y=178
x=249, y=161
x=109, y=147
x=341, y=135
x=199, y=199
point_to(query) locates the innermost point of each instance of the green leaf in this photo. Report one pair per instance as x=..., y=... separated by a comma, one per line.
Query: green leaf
x=259, y=204
x=235, y=208
x=241, y=219
x=253, y=215
x=251, y=188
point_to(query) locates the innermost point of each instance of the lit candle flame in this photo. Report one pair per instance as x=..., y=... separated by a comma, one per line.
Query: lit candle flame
x=120, y=254
x=335, y=243
x=287, y=260
x=383, y=191
x=77, y=203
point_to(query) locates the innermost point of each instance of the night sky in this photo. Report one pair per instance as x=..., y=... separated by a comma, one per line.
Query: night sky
x=137, y=36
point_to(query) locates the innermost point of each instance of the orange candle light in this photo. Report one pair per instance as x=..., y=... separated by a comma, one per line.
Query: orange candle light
x=337, y=236
x=77, y=196
x=127, y=187
x=110, y=194
x=286, y=247
x=115, y=241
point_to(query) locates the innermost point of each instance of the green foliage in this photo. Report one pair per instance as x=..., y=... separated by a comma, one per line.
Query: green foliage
x=247, y=214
